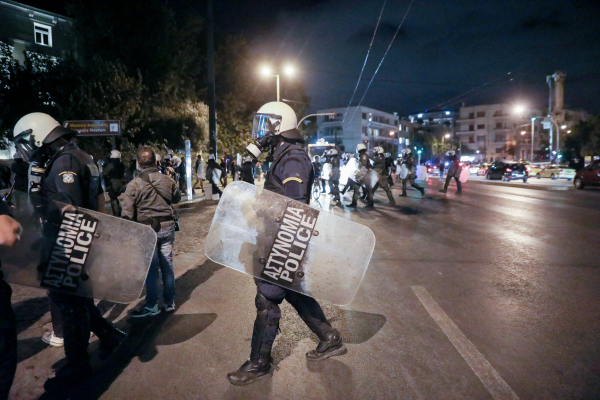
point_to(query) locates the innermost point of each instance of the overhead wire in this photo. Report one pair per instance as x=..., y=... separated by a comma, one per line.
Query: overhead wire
x=383, y=58
x=366, y=59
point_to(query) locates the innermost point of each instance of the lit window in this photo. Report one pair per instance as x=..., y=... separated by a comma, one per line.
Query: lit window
x=43, y=34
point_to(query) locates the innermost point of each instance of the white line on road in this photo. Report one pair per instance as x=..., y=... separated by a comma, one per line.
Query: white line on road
x=490, y=378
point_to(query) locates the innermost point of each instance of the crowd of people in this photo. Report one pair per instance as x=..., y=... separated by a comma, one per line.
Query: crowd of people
x=146, y=192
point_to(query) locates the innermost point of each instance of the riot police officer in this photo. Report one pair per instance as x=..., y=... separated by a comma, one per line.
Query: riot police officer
x=291, y=175
x=334, y=176
x=114, y=178
x=453, y=172
x=364, y=161
x=409, y=163
x=70, y=177
x=382, y=167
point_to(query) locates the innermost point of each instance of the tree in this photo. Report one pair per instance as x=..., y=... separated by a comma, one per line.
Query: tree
x=584, y=139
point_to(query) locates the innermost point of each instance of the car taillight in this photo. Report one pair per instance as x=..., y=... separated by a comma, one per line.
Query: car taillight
x=560, y=172
x=428, y=169
x=508, y=170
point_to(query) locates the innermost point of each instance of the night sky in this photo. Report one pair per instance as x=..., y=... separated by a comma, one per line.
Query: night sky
x=447, y=52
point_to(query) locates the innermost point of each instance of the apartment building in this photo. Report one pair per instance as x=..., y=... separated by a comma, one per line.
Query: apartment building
x=347, y=127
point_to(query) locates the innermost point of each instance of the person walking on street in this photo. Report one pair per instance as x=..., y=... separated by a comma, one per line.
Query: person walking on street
x=453, y=172
x=291, y=175
x=409, y=172
x=149, y=200
x=442, y=167
x=214, y=174
x=71, y=177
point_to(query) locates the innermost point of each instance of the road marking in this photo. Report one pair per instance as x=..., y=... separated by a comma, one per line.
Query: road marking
x=490, y=378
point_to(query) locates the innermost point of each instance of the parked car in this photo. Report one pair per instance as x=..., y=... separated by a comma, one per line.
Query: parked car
x=433, y=169
x=554, y=172
x=588, y=176
x=507, y=170
x=482, y=171
x=474, y=168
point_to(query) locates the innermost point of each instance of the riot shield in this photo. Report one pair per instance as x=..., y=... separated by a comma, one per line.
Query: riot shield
x=78, y=251
x=288, y=243
x=370, y=180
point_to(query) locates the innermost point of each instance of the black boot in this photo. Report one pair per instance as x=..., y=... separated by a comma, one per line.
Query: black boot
x=330, y=347
x=110, y=339
x=252, y=371
x=403, y=194
x=353, y=205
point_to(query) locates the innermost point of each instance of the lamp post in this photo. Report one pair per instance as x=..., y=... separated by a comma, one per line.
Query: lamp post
x=267, y=72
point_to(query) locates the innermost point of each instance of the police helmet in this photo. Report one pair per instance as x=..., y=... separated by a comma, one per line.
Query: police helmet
x=450, y=153
x=333, y=152
x=211, y=156
x=360, y=147
x=405, y=151
x=378, y=150
x=247, y=159
x=40, y=127
x=276, y=118
x=115, y=154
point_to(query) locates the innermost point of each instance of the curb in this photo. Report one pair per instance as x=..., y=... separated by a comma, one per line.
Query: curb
x=523, y=185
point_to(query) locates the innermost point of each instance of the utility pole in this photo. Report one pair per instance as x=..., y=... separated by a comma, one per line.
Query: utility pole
x=210, y=68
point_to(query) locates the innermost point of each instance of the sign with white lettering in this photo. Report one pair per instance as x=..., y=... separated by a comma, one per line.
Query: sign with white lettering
x=289, y=243
x=95, y=127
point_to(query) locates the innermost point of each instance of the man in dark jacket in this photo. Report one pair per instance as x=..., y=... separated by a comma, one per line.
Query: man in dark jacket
x=247, y=171
x=114, y=178
x=453, y=172
x=148, y=200
x=291, y=175
x=212, y=170
x=71, y=177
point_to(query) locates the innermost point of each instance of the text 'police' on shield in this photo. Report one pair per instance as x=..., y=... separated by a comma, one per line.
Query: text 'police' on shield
x=291, y=243
x=70, y=251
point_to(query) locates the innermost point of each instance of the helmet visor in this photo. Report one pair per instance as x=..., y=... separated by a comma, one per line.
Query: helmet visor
x=266, y=124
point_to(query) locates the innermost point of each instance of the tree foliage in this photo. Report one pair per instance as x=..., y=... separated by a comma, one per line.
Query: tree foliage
x=584, y=139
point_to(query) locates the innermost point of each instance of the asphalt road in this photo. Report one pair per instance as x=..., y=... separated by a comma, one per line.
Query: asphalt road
x=494, y=293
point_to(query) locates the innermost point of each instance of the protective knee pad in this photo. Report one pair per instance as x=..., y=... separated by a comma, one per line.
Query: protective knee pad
x=266, y=325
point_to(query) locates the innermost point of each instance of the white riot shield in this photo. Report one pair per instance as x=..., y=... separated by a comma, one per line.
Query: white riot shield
x=289, y=243
x=464, y=175
x=77, y=251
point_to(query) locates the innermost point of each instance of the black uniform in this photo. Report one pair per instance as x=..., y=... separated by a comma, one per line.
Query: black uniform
x=8, y=331
x=291, y=175
x=211, y=167
x=410, y=164
x=382, y=168
x=114, y=178
x=453, y=172
x=247, y=172
x=68, y=179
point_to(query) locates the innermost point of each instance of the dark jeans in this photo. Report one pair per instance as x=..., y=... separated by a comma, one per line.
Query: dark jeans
x=163, y=262
x=216, y=190
x=8, y=340
x=57, y=321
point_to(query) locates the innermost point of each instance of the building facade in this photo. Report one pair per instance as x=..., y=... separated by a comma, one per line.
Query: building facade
x=347, y=127
x=26, y=28
x=496, y=131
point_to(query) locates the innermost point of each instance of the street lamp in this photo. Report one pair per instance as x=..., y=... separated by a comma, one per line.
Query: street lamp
x=289, y=70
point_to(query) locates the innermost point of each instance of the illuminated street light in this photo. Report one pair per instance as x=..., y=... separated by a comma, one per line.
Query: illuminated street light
x=420, y=115
x=447, y=112
x=519, y=109
x=563, y=127
x=523, y=132
x=391, y=133
x=289, y=70
x=447, y=135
